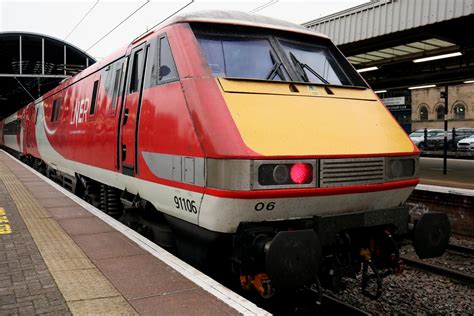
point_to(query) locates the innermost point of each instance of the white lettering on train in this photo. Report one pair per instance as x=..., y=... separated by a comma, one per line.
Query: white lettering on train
x=79, y=115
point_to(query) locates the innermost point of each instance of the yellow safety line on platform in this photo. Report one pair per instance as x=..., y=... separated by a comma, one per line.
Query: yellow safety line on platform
x=84, y=287
x=5, y=227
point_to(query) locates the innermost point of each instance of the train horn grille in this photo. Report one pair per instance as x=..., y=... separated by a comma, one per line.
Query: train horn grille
x=354, y=171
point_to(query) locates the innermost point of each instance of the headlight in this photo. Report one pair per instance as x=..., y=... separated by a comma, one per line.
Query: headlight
x=399, y=168
x=285, y=174
x=245, y=175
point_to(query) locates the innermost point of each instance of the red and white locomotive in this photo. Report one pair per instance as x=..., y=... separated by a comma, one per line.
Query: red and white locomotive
x=234, y=138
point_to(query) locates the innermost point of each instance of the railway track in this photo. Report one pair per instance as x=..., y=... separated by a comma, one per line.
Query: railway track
x=454, y=275
x=463, y=250
x=336, y=306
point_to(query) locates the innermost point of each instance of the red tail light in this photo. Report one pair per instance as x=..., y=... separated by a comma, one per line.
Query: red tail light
x=301, y=173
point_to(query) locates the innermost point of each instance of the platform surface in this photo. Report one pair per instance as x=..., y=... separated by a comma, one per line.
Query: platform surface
x=57, y=257
x=460, y=173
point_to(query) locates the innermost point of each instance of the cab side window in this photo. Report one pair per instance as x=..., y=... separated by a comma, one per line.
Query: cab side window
x=162, y=68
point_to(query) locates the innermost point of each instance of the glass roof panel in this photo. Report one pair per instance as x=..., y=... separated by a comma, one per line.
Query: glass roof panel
x=418, y=45
x=400, y=50
x=394, y=51
x=407, y=49
x=374, y=56
x=361, y=58
x=381, y=54
x=412, y=50
x=429, y=46
x=370, y=57
x=353, y=61
x=438, y=42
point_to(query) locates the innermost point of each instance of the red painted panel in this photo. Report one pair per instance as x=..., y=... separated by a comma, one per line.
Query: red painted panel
x=216, y=128
x=78, y=135
x=166, y=125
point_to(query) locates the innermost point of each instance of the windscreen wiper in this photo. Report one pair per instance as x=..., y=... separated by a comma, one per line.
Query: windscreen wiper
x=276, y=70
x=301, y=66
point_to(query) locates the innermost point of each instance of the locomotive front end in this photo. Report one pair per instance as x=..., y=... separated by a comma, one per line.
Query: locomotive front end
x=313, y=186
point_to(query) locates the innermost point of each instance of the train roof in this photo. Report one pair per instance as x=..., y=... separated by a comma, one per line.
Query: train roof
x=241, y=18
x=208, y=16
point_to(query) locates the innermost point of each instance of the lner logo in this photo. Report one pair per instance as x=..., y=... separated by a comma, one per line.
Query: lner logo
x=5, y=227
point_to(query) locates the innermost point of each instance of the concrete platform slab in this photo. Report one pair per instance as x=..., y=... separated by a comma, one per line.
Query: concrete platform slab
x=68, y=212
x=148, y=277
x=107, y=245
x=84, y=225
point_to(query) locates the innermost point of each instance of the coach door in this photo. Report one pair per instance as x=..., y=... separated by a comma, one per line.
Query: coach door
x=131, y=110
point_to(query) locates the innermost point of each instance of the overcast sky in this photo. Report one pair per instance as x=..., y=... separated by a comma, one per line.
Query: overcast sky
x=60, y=18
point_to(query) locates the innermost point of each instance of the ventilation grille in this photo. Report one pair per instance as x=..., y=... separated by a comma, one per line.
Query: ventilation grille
x=354, y=171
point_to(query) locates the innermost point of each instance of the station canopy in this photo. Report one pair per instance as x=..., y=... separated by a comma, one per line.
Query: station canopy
x=32, y=64
x=390, y=36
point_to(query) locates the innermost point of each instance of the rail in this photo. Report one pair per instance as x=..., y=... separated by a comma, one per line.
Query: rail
x=454, y=275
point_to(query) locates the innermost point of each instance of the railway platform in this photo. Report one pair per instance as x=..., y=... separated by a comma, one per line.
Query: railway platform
x=460, y=173
x=59, y=255
x=452, y=193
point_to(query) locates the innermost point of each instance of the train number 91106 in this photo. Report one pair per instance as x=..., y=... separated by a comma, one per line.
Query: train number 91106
x=185, y=204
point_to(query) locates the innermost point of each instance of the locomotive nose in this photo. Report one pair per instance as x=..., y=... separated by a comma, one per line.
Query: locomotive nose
x=292, y=258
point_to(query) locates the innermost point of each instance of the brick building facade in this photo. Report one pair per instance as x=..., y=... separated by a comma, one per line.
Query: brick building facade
x=428, y=107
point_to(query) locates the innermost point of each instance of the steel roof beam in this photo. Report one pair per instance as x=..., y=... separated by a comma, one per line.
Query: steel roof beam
x=32, y=76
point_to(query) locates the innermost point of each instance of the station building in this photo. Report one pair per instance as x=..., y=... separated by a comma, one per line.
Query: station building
x=396, y=45
x=428, y=107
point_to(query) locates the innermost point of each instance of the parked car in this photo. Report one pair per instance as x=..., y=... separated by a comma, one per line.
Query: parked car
x=418, y=136
x=463, y=132
x=466, y=144
x=435, y=138
x=436, y=142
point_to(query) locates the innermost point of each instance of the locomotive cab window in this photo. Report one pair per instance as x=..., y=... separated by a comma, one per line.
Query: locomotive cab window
x=112, y=78
x=314, y=63
x=161, y=67
x=116, y=90
x=241, y=57
x=167, y=70
x=252, y=53
x=137, y=70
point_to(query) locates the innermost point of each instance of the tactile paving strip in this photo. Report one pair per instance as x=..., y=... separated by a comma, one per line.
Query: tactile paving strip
x=83, y=286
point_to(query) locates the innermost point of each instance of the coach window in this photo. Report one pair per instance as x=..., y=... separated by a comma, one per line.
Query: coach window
x=94, y=97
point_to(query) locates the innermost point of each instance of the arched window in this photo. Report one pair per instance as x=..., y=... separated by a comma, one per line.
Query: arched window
x=423, y=113
x=459, y=111
x=440, y=112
